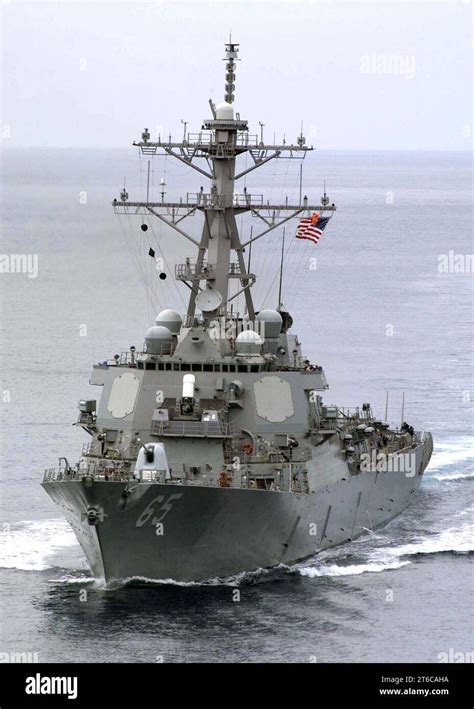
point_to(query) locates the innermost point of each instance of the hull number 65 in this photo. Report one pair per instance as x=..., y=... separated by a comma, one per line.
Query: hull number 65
x=158, y=504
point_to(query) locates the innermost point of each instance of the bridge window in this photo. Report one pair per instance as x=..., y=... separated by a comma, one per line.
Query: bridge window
x=150, y=365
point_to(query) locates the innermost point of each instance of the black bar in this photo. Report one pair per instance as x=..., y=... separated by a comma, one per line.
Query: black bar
x=312, y=684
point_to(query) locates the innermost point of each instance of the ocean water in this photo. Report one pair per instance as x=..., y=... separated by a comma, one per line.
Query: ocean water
x=370, y=303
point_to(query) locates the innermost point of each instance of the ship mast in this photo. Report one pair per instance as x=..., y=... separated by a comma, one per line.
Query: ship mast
x=222, y=140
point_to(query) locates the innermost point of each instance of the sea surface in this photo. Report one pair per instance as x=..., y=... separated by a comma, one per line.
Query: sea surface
x=372, y=303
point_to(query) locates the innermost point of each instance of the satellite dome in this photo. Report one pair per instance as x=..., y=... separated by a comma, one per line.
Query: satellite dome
x=272, y=323
x=158, y=339
x=171, y=320
x=249, y=336
x=248, y=342
x=224, y=112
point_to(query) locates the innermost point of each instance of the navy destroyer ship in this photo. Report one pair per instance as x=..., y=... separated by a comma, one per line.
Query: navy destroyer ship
x=212, y=451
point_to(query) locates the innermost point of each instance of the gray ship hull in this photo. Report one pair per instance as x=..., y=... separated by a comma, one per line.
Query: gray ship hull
x=192, y=533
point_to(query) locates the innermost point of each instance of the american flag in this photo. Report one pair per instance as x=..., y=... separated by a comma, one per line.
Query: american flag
x=311, y=227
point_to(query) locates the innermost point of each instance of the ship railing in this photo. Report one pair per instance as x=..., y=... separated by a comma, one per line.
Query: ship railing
x=243, y=199
x=58, y=474
x=89, y=448
x=397, y=443
x=86, y=418
x=49, y=475
x=233, y=317
x=237, y=199
x=192, y=268
x=197, y=429
x=423, y=436
x=402, y=442
x=350, y=412
x=309, y=368
x=124, y=359
x=228, y=479
x=299, y=364
x=192, y=321
x=129, y=359
x=244, y=139
x=399, y=440
x=204, y=137
x=207, y=138
x=109, y=456
x=205, y=142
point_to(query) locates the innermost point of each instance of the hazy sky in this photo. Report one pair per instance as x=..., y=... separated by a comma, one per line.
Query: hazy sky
x=374, y=75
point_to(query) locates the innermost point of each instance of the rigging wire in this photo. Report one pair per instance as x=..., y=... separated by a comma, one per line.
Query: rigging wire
x=291, y=249
x=134, y=252
x=263, y=253
x=157, y=241
x=267, y=282
x=135, y=245
x=276, y=275
x=241, y=298
x=144, y=271
x=165, y=261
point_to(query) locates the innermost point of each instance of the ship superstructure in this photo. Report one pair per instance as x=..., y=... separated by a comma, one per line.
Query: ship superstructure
x=211, y=451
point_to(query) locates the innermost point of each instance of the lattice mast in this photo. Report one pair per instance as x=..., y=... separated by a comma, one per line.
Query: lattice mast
x=221, y=141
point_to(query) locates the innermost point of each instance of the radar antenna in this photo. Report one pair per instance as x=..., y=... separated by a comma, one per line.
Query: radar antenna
x=231, y=51
x=222, y=140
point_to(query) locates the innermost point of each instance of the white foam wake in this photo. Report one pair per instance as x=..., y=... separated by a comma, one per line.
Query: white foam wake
x=80, y=580
x=455, y=540
x=353, y=570
x=457, y=475
x=451, y=453
x=29, y=545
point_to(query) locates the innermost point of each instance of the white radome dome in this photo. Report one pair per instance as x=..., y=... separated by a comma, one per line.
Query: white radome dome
x=248, y=336
x=273, y=323
x=248, y=342
x=157, y=336
x=171, y=320
x=224, y=112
